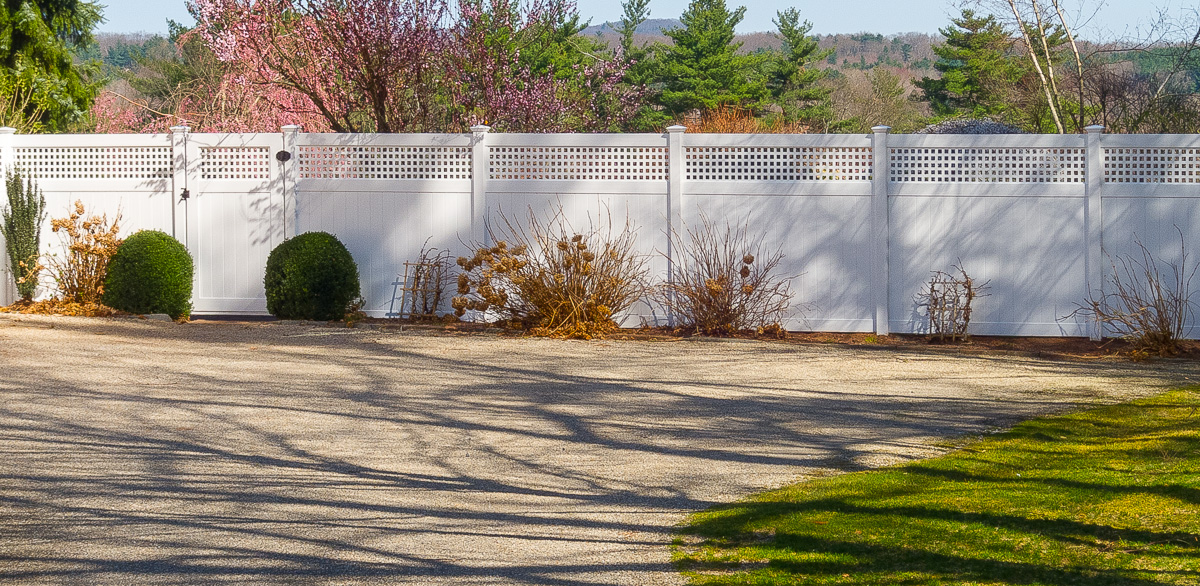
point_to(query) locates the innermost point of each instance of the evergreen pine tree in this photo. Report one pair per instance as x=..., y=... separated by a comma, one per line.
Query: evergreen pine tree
x=703, y=69
x=978, y=69
x=643, y=63
x=634, y=13
x=40, y=38
x=792, y=77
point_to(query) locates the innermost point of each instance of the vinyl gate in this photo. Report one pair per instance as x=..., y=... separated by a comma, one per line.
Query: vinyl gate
x=234, y=214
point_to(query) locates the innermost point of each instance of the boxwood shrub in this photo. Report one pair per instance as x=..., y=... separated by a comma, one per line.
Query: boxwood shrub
x=151, y=272
x=311, y=276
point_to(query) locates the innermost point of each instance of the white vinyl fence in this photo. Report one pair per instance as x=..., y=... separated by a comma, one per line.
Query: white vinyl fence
x=861, y=219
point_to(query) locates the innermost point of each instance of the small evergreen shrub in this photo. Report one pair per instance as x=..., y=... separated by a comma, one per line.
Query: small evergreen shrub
x=150, y=272
x=21, y=224
x=311, y=276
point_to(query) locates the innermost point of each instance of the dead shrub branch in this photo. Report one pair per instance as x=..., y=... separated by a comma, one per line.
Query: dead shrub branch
x=947, y=302
x=1148, y=300
x=724, y=283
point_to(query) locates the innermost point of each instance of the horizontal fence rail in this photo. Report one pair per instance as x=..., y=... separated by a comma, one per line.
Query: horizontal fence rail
x=862, y=220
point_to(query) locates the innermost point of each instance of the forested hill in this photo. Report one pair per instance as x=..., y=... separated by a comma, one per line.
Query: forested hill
x=862, y=51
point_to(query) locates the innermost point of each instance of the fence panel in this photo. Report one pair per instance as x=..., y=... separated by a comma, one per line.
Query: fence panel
x=117, y=175
x=1009, y=208
x=385, y=197
x=862, y=220
x=598, y=181
x=806, y=196
x=1152, y=197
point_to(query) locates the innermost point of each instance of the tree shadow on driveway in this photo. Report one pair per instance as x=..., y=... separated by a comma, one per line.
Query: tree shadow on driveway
x=154, y=453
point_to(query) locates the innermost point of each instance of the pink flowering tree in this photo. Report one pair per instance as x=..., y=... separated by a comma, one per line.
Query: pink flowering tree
x=422, y=65
x=365, y=65
x=518, y=69
x=187, y=85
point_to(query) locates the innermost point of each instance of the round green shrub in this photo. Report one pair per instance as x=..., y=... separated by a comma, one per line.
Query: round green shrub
x=151, y=272
x=311, y=276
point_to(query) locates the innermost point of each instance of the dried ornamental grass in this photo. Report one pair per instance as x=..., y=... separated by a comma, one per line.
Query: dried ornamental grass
x=553, y=280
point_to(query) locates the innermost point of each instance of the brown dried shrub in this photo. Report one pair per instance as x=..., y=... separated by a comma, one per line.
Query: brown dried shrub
x=947, y=302
x=1149, y=301
x=430, y=280
x=724, y=283
x=90, y=241
x=551, y=279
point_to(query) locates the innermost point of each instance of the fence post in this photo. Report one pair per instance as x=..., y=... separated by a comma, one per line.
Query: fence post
x=179, y=183
x=291, y=176
x=6, y=148
x=880, y=225
x=480, y=219
x=1094, y=221
x=675, y=171
x=7, y=287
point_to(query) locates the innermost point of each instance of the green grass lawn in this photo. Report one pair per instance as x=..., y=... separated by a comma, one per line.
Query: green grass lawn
x=1105, y=496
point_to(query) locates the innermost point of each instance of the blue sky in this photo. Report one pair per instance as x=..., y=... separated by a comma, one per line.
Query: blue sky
x=827, y=16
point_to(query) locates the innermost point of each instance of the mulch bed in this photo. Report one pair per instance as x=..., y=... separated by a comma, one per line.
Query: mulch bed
x=1043, y=347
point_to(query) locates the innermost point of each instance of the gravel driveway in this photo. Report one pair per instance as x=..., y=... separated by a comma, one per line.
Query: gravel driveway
x=138, y=452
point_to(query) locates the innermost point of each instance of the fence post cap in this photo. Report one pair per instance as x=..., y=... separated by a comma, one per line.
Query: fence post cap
x=1095, y=128
x=7, y=130
x=676, y=128
x=881, y=129
x=290, y=128
x=180, y=129
x=480, y=128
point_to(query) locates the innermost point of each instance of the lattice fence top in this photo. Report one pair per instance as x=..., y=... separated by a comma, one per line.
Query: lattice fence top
x=384, y=162
x=777, y=163
x=1143, y=165
x=988, y=165
x=245, y=162
x=95, y=162
x=578, y=163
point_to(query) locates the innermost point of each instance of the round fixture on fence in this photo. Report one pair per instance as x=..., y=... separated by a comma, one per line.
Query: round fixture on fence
x=283, y=156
